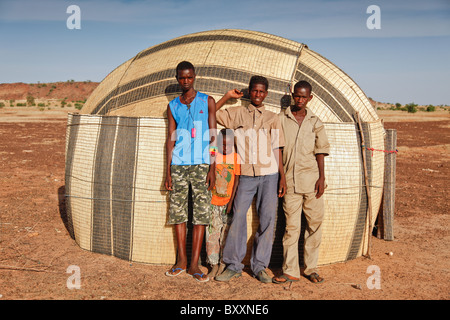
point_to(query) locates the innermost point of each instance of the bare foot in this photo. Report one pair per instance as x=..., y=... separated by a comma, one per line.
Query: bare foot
x=214, y=271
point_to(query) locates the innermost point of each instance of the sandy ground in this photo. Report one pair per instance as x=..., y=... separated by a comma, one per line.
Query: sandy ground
x=36, y=249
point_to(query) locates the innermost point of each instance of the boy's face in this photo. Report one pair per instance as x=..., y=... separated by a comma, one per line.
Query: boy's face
x=257, y=94
x=227, y=145
x=301, y=97
x=186, y=79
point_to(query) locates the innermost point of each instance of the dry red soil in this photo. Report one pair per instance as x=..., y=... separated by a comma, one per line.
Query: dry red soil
x=36, y=249
x=72, y=91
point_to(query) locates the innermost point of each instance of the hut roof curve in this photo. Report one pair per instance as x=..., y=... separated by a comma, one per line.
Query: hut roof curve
x=226, y=59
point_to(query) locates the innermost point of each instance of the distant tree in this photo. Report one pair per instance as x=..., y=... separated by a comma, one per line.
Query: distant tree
x=30, y=101
x=411, y=107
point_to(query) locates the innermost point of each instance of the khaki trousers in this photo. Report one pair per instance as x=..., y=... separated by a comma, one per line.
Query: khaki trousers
x=293, y=204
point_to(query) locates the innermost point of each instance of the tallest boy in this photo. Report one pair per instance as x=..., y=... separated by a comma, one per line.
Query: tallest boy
x=190, y=161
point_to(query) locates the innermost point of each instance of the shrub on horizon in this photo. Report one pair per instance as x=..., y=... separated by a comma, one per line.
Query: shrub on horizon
x=411, y=107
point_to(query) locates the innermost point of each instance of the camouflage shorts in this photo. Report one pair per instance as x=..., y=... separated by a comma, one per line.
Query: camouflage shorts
x=182, y=177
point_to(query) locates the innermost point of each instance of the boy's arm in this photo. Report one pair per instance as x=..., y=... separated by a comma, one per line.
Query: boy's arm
x=211, y=177
x=237, y=173
x=170, y=144
x=321, y=150
x=278, y=143
x=233, y=193
x=282, y=185
x=226, y=117
x=320, y=183
x=231, y=94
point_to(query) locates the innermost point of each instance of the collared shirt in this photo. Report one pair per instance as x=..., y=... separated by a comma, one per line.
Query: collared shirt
x=258, y=133
x=302, y=143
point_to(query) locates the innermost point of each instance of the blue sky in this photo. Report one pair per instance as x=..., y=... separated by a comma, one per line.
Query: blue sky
x=407, y=60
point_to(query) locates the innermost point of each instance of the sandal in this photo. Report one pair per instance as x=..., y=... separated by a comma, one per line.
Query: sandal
x=314, y=278
x=172, y=272
x=201, y=277
x=287, y=278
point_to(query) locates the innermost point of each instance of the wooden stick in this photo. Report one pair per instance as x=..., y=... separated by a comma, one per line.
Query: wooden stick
x=25, y=269
x=366, y=179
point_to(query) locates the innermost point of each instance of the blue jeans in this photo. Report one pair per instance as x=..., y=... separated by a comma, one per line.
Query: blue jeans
x=266, y=190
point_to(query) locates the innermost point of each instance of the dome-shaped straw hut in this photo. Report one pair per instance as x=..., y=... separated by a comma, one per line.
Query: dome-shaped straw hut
x=115, y=147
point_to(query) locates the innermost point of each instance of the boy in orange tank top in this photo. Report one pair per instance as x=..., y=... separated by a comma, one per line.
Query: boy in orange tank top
x=227, y=180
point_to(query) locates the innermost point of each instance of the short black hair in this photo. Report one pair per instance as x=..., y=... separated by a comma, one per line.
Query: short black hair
x=185, y=65
x=258, y=80
x=226, y=132
x=303, y=84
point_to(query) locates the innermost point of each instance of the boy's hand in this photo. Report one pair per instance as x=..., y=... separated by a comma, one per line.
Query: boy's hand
x=282, y=186
x=319, y=187
x=234, y=93
x=229, y=207
x=168, y=182
x=211, y=178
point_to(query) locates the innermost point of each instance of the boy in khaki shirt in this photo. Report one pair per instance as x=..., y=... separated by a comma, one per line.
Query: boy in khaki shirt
x=259, y=138
x=306, y=145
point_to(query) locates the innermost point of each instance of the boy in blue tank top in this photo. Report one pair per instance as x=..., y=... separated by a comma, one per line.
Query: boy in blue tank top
x=190, y=148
